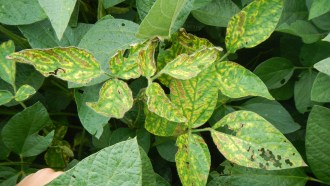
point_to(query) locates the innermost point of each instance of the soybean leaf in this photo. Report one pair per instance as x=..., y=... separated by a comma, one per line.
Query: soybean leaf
x=319, y=49
x=166, y=147
x=323, y=66
x=302, y=98
x=59, y=13
x=318, y=8
x=275, y=72
x=111, y=3
x=273, y=112
x=20, y=12
x=327, y=38
x=283, y=93
x=159, y=104
x=7, y=67
x=5, y=97
x=8, y=176
x=115, y=99
x=235, y=81
x=320, y=89
x=143, y=7
x=122, y=164
x=317, y=142
x=193, y=160
x=188, y=66
x=92, y=121
x=147, y=62
x=254, y=142
x=24, y=92
x=253, y=24
x=20, y=134
x=196, y=96
x=70, y=64
x=161, y=181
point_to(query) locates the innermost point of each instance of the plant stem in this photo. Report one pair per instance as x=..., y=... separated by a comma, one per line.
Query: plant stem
x=22, y=163
x=302, y=68
x=17, y=39
x=13, y=163
x=224, y=56
x=157, y=75
x=315, y=180
x=201, y=130
x=63, y=114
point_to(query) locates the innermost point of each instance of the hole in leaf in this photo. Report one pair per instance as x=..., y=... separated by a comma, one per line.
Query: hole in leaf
x=126, y=53
x=282, y=81
x=73, y=176
x=80, y=91
x=293, y=154
x=123, y=24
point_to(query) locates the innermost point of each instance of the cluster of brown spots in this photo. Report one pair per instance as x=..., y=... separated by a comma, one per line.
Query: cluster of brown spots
x=268, y=156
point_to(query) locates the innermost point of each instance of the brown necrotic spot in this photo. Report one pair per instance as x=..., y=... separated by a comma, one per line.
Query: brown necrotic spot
x=287, y=161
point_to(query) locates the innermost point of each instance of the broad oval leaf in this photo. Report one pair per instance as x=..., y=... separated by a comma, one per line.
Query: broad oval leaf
x=24, y=92
x=115, y=99
x=318, y=8
x=320, y=89
x=159, y=104
x=70, y=63
x=253, y=24
x=323, y=66
x=235, y=81
x=7, y=67
x=20, y=134
x=252, y=141
x=302, y=98
x=193, y=159
x=5, y=97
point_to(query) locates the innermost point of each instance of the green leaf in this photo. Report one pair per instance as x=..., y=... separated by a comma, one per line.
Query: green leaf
x=273, y=112
x=193, y=160
x=70, y=64
x=20, y=134
x=159, y=104
x=302, y=93
x=24, y=92
x=275, y=72
x=121, y=164
x=253, y=24
x=188, y=66
x=166, y=148
x=319, y=7
x=91, y=121
x=327, y=38
x=235, y=81
x=320, y=89
x=20, y=12
x=254, y=142
x=197, y=97
x=7, y=67
x=217, y=13
x=143, y=7
x=59, y=13
x=319, y=49
x=317, y=142
x=115, y=99
x=5, y=97
x=111, y=3
x=323, y=66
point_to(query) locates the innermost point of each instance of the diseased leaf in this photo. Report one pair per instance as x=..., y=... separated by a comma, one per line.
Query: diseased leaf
x=59, y=13
x=197, y=97
x=7, y=67
x=302, y=93
x=70, y=64
x=252, y=141
x=20, y=134
x=323, y=66
x=321, y=88
x=235, y=81
x=319, y=7
x=146, y=58
x=24, y=92
x=193, y=160
x=159, y=104
x=253, y=24
x=115, y=99
x=5, y=97
x=317, y=142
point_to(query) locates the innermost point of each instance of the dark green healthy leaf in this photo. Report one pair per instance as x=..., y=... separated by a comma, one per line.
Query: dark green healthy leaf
x=20, y=134
x=235, y=81
x=59, y=13
x=197, y=97
x=253, y=24
x=5, y=97
x=115, y=99
x=302, y=93
x=321, y=88
x=275, y=72
x=24, y=92
x=283, y=93
x=8, y=176
x=161, y=181
x=273, y=112
x=323, y=66
x=254, y=142
x=166, y=147
x=121, y=134
x=317, y=142
x=216, y=13
x=7, y=67
x=159, y=104
x=70, y=64
x=111, y=3
x=193, y=160
x=124, y=163
x=318, y=8
x=319, y=49
x=20, y=12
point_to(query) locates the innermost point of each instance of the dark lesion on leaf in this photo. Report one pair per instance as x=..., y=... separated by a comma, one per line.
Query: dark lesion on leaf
x=288, y=162
x=268, y=156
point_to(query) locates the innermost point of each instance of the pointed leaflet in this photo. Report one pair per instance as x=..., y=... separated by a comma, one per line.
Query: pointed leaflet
x=302, y=98
x=196, y=97
x=318, y=8
x=235, y=81
x=254, y=142
x=159, y=104
x=5, y=97
x=323, y=66
x=318, y=143
x=115, y=99
x=24, y=92
x=193, y=159
x=70, y=64
x=187, y=66
x=253, y=24
x=321, y=88
x=20, y=134
x=59, y=13
x=7, y=67
x=121, y=164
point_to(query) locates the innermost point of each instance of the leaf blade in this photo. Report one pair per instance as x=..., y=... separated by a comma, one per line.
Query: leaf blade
x=24, y=92
x=7, y=67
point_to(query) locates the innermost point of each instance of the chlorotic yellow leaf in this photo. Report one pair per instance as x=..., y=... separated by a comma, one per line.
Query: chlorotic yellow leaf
x=5, y=97
x=7, y=67
x=24, y=92
x=146, y=58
